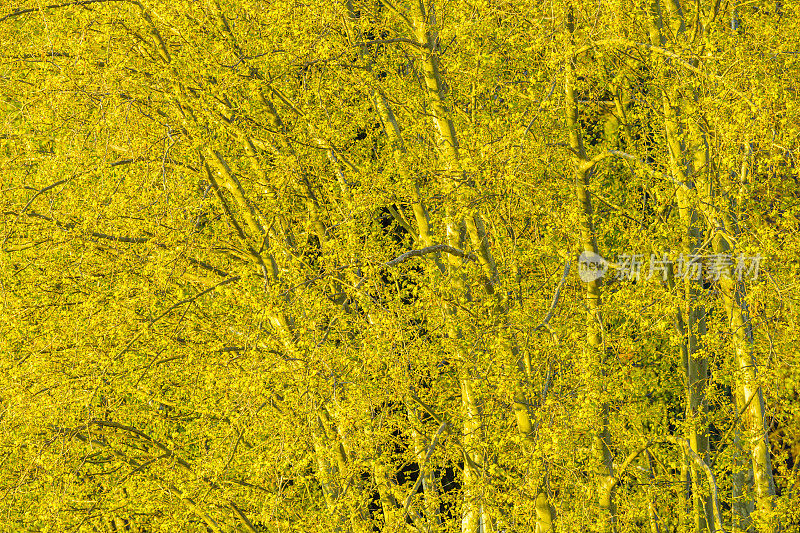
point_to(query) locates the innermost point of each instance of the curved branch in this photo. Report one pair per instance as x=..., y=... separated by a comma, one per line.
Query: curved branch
x=421, y=252
x=683, y=443
x=40, y=192
x=429, y=250
x=414, y=489
x=19, y=12
x=667, y=53
x=712, y=482
x=390, y=41
x=394, y=10
x=554, y=303
x=171, y=308
x=141, y=467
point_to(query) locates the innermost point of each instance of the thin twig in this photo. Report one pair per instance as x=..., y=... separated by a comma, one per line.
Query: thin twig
x=429, y=250
x=170, y=308
x=542, y=103
x=19, y=12
x=421, y=252
x=413, y=490
x=554, y=303
x=390, y=41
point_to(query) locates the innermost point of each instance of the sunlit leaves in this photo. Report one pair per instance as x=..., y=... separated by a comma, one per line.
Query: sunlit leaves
x=112, y=309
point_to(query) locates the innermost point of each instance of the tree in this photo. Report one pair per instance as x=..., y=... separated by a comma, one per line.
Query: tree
x=309, y=267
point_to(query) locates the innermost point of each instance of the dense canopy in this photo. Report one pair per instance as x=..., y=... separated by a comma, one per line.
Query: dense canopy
x=354, y=266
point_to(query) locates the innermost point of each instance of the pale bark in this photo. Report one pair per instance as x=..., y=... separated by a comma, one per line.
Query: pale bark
x=474, y=516
x=691, y=322
x=755, y=428
x=429, y=490
x=326, y=470
x=331, y=457
x=652, y=513
x=733, y=300
x=741, y=480
x=544, y=515
x=594, y=354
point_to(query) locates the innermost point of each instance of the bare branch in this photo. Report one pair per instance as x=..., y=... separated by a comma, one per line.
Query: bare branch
x=589, y=164
x=42, y=191
x=542, y=103
x=172, y=307
x=394, y=10
x=128, y=161
x=421, y=252
x=246, y=521
x=168, y=453
x=429, y=250
x=390, y=41
x=645, y=167
x=554, y=303
x=413, y=490
x=195, y=297
x=671, y=55
x=19, y=12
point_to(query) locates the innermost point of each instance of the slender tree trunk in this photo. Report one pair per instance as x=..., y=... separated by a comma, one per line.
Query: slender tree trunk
x=332, y=459
x=430, y=492
x=595, y=352
x=741, y=478
x=749, y=391
x=691, y=325
x=652, y=514
x=474, y=515
x=545, y=515
x=424, y=31
x=326, y=471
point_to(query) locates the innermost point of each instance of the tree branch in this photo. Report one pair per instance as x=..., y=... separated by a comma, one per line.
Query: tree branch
x=667, y=53
x=712, y=482
x=394, y=10
x=170, y=308
x=42, y=191
x=123, y=238
x=421, y=252
x=413, y=490
x=554, y=303
x=683, y=443
x=390, y=41
x=429, y=250
x=19, y=12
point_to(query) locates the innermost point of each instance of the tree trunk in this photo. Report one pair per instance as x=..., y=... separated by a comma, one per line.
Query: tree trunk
x=594, y=357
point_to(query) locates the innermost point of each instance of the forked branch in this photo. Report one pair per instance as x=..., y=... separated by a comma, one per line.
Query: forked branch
x=430, y=250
